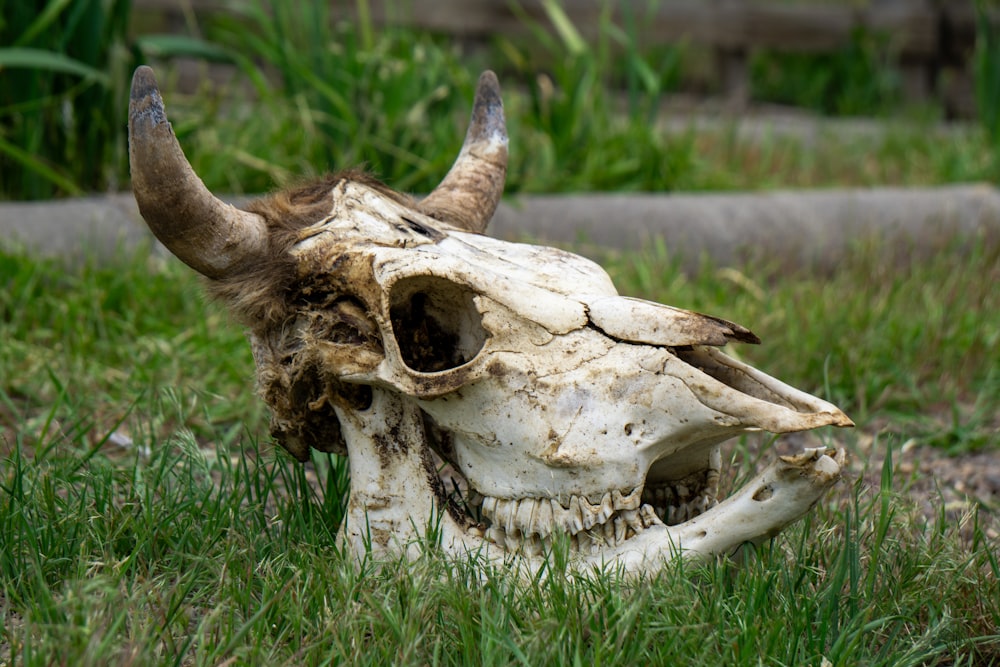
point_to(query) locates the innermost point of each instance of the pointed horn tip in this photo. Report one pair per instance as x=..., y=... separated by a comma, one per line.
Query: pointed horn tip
x=488, y=81
x=143, y=83
x=488, y=121
x=145, y=107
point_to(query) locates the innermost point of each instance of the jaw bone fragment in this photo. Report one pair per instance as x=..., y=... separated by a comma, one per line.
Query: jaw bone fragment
x=503, y=391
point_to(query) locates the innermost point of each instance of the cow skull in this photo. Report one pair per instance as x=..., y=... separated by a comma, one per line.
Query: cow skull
x=501, y=392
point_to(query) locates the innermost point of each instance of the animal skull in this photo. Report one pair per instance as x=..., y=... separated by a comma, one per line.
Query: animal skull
x=502, y=391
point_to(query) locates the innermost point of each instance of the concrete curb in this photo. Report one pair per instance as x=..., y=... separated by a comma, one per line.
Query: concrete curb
x=807, y=227
x=800, y=227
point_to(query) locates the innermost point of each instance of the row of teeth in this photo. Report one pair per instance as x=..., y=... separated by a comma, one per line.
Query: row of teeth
x=543, y=516
x=528, y=524
x=622, y=526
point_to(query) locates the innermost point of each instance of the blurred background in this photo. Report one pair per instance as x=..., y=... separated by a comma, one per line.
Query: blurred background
x=601, y=95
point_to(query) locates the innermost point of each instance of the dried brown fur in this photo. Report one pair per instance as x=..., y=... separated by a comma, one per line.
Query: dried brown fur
x=258, y=294
x=262, y=297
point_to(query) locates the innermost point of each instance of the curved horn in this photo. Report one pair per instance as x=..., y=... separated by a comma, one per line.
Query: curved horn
x=210, y=236
x=470, y=193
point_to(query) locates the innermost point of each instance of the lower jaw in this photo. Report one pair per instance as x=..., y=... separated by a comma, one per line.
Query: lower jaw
x=530, y=526
x=779, y=495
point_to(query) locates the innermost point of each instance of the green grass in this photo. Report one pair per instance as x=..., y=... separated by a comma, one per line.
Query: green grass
x=193, y=542
x=151, y=562
x=64, y=65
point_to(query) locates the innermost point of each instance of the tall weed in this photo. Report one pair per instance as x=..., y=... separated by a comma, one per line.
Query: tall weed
x=65, y=67
x=342, y=95
x=860, y=79
x=572, y=127
x=63, y=73
x=987, y=77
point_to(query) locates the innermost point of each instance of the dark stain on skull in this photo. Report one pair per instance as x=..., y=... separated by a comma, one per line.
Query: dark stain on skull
x=301, y=383
x=439, y=455
x=303, y=416
x=426, y=231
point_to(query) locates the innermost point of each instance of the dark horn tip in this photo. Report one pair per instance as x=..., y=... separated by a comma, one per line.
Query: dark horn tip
x=143, y=83
x=489, y=87
x=145, y=107
x=487, y=111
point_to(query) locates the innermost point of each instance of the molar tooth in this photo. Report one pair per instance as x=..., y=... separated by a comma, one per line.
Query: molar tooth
x=633, y=520
x=607, y=508
x=621, y=529
x=608, y=528
x=669, y=516
x=560, y=516
x=541, y=519
x=691, y=508
x=525, y=517
x=630, y=501
x=532, y=546
x=575, y=515
x=647, y=516
x=489, y=507
x=513, y=542
x=589, y=512
x=509, y=513
x=500, y=512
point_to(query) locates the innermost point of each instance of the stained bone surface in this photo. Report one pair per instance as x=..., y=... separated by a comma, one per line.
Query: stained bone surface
x=503, y=393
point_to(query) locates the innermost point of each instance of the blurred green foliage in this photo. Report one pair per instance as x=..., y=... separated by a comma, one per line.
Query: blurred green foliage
x=314, y=95
x=987, y=76
x=63, y=72
x=860, y=79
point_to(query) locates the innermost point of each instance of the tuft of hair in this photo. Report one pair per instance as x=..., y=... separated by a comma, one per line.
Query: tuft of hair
x=257, y=294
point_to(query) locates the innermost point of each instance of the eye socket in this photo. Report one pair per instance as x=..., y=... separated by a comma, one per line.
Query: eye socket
x=435, y=322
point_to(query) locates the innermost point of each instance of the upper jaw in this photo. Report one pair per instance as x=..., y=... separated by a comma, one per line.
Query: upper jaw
x=662, y=512
x=677, y=406
x=756, y=399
